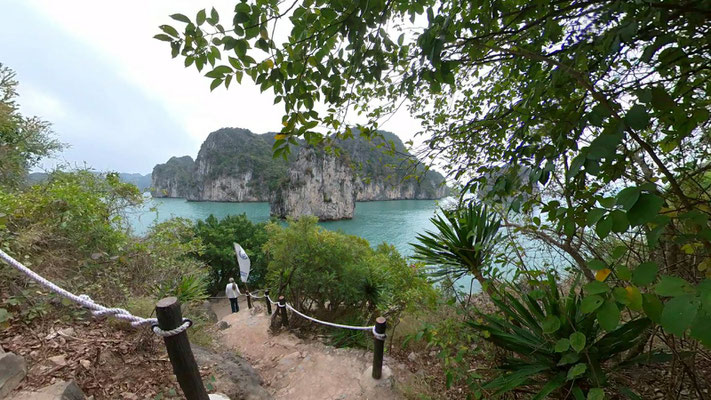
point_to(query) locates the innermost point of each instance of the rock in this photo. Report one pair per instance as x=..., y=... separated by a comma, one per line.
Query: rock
x=412, y=356
x=58, y=391
x=12, y=371
x=60, y=360
x=385, y=381
x=67, y=332
x=2, y=351
x=318, y=184
x=218, y=396
x=222, y=325
x=234, y=376
x=209, y=312
x=129, y=396
x=85, y=363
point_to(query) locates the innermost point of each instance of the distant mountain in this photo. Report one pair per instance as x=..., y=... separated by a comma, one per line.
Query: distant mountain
x=143, y=182
x=235, y=164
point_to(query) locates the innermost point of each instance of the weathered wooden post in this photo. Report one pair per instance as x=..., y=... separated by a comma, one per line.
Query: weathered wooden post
x=179, y=351
x=249, y=300
x=282, y=310
x=379, y=344
x=269, y=303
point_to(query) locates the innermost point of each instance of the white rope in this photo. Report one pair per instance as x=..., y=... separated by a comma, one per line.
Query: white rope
x=172, y=332
x=256, y=297
x=271, y=301
x=85, y=301
x=379, y=336
x=358, y=328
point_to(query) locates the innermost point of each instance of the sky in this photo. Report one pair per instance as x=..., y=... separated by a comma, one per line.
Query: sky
x=114, y=94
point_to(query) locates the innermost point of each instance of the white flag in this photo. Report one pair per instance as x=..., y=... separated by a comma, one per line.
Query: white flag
x=243, y=261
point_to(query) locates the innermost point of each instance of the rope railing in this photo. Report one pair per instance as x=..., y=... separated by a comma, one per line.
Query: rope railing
x=96, y=309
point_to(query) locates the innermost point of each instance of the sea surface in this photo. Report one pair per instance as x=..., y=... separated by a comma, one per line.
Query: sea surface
x=396, y=222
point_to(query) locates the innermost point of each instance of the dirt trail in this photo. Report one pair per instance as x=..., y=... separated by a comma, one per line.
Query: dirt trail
x=295, y=369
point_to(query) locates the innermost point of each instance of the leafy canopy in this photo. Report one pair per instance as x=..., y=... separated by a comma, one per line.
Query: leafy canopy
x=593, y=115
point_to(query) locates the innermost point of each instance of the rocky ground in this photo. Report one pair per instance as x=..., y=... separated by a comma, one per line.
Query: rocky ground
x=298, y=369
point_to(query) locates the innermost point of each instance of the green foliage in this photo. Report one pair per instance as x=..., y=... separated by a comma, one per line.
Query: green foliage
x=79, y=208
x=603, y=107
x=463, y=243
x=340, y=277
x=218, y=237
x=23, y=141
x=555, y=336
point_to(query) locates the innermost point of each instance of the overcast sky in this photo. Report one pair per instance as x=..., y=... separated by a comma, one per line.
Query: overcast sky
x=114, y=94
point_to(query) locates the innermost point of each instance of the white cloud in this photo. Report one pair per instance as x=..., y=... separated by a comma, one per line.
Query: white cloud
x=121, y=33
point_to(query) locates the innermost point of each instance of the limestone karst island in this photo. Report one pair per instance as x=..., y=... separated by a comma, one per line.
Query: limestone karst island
x=236, y=165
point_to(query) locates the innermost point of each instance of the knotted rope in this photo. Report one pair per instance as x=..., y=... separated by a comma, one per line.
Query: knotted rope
x=96, y=309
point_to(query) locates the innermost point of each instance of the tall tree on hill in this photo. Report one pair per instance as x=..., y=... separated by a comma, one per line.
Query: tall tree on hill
x=23, y=141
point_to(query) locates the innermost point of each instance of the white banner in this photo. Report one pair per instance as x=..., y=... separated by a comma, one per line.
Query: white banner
x=243, y=261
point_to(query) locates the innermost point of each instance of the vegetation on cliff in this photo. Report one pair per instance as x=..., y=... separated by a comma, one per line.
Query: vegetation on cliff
x=234, y=153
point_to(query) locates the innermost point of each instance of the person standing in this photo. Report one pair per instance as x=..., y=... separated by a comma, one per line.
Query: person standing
x=232, y=291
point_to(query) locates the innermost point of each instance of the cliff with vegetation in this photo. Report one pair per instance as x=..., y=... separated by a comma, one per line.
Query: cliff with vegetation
x=317, y=184
x=235, y=164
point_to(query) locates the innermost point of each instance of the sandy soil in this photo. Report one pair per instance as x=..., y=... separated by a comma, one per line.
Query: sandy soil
x=295, y=369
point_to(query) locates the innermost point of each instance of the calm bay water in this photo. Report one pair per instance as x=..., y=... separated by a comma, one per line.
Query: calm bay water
x=396, y=222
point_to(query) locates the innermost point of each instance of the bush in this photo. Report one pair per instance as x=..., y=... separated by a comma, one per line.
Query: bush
x=218, y=236
x=340, y=277
x=556, y=342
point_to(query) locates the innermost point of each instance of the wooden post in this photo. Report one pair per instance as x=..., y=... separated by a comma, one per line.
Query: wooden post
x=249, y=300
x=269, y=303
x=282, y=310
x=179, y=351
x=380, y=326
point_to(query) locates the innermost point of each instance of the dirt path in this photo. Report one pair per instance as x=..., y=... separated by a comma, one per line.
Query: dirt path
x=298, y=370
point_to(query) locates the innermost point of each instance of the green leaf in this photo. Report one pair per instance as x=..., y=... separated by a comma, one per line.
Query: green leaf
x=637, y=117
x=576, y=370
x=627, y=197
x=596, y=287
x=562, y=345
x=200, y=18
x=661, y=100
x=700, y=328
x=596, y=394
x=620, y=295
x=590, y=303
x=645, y=273
x=596, y=265
x=577, y=341
x=181, y=18
x=594, y=215
x=652, y=306
x=672, y=286
x=569, y=358
x=679, y=313
x=623, y=273
x=608, y=315
x=645, y=209
x=163, y=37
x=603, y=227
x=169, y=30
x=551, y=324
x=215, y=83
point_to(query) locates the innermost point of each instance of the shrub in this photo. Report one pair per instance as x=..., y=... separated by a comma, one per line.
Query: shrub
x=556, y=342
x=340, y=277
x=218, y=236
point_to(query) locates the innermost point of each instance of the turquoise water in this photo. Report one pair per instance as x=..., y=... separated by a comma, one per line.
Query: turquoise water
x=396, y=222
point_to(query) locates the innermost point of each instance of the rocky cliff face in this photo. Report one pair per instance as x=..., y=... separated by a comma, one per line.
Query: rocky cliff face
x=237, y=165
x=174, y=178
x=317, y=184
